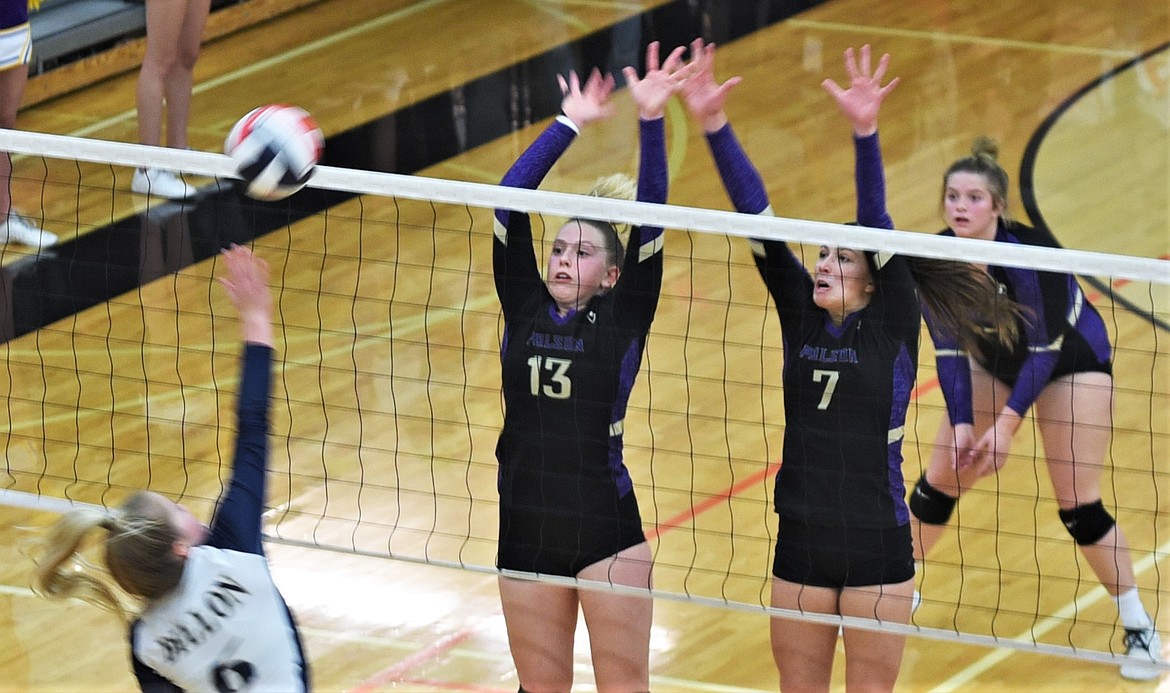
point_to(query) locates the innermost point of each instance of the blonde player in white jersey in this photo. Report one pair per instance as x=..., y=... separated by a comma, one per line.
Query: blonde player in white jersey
x=211, y=617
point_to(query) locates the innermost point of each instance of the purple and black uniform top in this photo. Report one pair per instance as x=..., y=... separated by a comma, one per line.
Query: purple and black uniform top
x=567, y=379
x=1060, y=333
x=846, y=387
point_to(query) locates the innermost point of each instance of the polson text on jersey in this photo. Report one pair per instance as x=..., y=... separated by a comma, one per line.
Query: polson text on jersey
x=823, y=355
x=556, y=342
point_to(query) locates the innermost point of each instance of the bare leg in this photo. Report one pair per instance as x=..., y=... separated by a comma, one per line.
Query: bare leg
x=1076, y=457
x=541, y=621
x=988, y=396
x=804, y=651
x=165, y=33
x=619, y=624
x=874, y=658
x=181, y=77
x=12, y=83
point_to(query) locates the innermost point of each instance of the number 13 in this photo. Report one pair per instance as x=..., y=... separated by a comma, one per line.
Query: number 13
x=561, y=387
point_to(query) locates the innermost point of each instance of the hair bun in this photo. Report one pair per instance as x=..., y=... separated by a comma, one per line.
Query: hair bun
x=617, y=186
x=985, y=146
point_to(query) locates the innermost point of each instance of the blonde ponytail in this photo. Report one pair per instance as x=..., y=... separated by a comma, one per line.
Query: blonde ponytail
x=139, y=554
x=62, y=573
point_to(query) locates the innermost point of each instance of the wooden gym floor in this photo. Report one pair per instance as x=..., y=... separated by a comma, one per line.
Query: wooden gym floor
x=114, y=383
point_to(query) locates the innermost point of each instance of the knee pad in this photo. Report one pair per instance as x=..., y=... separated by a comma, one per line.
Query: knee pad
x=931, y=505
x=1087, y=523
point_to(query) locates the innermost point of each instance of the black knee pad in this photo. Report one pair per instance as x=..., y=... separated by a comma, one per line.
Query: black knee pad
x=931, y=505
x=1087, y=523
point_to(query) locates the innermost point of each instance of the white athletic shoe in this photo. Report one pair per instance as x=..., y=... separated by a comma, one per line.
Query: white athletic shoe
x=161, y=182
x=17, y=229
x=1143, y=649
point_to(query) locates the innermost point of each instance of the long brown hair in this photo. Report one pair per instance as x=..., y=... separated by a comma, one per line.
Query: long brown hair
x=965, y=302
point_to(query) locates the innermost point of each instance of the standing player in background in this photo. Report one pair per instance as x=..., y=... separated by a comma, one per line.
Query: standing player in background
x=15, y=54
x=571, y=349
x=1060, y=364
x=212, y=619
x=174, y=32
x=850, y=357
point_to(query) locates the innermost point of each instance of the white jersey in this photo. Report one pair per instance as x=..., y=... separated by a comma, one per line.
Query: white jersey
x=224, y=628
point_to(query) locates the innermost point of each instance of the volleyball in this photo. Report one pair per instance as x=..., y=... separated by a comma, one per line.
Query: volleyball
x=276, y=148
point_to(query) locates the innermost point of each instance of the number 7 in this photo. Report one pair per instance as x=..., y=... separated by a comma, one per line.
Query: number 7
x=832, y=376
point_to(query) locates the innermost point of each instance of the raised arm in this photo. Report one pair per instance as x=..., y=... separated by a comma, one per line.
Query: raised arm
x=705, y=99
x=583, y=104
x=860, y=103
x=513, y=257
x=650, y=94
x=641, y=277
x=783, y=273
x=237, y=519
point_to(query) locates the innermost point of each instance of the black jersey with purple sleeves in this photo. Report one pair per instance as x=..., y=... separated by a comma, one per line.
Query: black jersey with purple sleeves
x=567, y=379
x=846, y=391
x=847, y=387
x=1060, y=333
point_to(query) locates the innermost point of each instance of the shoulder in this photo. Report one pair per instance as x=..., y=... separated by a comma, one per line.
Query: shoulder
x=1022, y=233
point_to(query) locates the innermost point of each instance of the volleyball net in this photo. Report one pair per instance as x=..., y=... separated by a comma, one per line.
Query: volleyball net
x=121, y=362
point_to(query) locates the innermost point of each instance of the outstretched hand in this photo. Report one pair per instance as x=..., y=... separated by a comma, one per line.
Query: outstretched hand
x=863, y=99
x=588, y=102
x=246, y=284
x=704, y=96
x=654, y=89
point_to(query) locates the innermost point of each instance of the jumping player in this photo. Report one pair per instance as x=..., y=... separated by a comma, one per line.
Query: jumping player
x=571, y=350
x=212, y=619
x=850, y=336
x=1060, y=364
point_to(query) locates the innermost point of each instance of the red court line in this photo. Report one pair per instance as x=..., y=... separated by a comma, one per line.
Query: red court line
x=703, y=506
x=398, y=671
x=395, y=673
x=744, y=484
x=710, y=502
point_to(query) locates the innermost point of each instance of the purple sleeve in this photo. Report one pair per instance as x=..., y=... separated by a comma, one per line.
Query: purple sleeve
x=871, y=183
x=237, y=519
x=1043, y=341
x=783, y=273
x=641, y=279
x=13, y=14
x=652, y=168
x=740, y=177
x=954, y=378
x=514, y=264
x=536, y=161
x=954, y=373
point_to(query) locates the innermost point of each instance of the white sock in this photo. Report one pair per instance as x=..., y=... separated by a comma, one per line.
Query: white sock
x=1133, y=614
